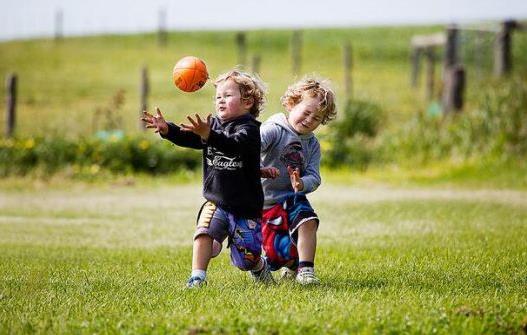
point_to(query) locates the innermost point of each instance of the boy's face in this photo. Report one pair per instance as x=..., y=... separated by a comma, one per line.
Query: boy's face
x=305, y=116
x=229, y=103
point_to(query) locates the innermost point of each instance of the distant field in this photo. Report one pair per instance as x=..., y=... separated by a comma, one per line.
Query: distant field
x=106, y=259
x=62, y=84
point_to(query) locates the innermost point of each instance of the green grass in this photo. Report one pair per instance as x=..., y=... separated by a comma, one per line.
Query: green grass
x=92, y=258
x=62, y=84
x=471, y=173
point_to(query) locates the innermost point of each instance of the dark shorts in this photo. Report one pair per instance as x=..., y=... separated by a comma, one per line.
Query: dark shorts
x=280, y=225
x=244, y=235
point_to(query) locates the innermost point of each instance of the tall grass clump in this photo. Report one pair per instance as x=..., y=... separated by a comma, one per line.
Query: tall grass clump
x=497, y=129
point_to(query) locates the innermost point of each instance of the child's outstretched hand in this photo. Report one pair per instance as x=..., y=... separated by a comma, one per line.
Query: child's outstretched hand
x=296, y=181
x=198, y=126
x=158, y=121
x=270, y=172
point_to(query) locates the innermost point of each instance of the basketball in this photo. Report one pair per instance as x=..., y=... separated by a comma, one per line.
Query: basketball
x=190, y=74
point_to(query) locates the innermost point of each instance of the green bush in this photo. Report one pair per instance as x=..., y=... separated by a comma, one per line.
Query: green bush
x=497, y=129
x=351, y=138
x=119, y=155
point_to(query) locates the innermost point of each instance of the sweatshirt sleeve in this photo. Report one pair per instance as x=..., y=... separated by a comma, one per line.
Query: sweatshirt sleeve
x=183, y=138
x=268, y=134
x=245, y=139
x=311, y=177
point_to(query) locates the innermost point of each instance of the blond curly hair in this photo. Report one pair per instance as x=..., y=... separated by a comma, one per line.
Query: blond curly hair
x=251, y=87
x=313, y=87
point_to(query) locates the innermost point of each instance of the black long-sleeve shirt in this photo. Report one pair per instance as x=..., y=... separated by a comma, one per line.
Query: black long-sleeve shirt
x=231, y=163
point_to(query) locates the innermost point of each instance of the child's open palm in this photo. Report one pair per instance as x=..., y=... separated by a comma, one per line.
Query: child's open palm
x=198, y=126
x=158, y=121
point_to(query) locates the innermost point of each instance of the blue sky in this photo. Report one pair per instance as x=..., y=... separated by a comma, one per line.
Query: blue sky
x=29, y=18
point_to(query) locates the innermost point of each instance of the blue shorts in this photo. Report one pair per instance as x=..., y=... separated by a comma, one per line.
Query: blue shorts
x=244, y=235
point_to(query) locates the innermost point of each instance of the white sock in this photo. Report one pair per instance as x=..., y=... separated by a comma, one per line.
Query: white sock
x=307, y=269
x=202, y=274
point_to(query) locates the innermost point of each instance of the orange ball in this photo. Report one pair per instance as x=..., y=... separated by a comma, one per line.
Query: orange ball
x=190, y=74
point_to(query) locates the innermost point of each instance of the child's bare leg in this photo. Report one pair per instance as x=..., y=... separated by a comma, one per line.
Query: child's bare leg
x=307, y=241
x=307, y=245
x=201, y=252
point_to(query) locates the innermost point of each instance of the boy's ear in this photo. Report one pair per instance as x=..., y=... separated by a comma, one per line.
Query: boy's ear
x=248, y=103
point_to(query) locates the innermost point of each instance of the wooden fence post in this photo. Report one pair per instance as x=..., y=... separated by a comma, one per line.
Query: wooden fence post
x=11, y=86
x=144, y=90
x=296, y=51
x=162, y=37
x=451, y=52
x=453, y=90
x=502, y=49
x=348, y=65
x=241, y=42
x=59, y=17
x=256, y=64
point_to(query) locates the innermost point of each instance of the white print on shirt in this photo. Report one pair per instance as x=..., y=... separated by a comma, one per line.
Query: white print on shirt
x=220, y=161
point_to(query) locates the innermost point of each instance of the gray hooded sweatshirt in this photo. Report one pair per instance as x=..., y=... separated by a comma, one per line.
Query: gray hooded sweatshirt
x=281, y=147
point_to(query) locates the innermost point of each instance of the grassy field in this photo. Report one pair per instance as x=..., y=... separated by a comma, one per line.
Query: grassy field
x=435, y=248
x=62, y=84
x=82, y=258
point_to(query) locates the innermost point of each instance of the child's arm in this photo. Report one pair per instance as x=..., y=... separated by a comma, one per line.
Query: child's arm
x=245, y=139
x=170, y=131
x=311, y=179
x=269, y=133
x=157, y=122
x=179, y=136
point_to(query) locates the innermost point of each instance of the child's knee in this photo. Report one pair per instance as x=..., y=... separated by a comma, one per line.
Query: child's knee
x=216, y=248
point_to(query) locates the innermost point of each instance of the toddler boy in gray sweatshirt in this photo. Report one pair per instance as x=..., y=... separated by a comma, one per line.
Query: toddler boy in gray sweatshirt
x=290, y=155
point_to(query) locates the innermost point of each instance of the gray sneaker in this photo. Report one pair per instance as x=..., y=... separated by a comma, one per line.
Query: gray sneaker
x=196, y=282
x=287, y=274
x=264, y=276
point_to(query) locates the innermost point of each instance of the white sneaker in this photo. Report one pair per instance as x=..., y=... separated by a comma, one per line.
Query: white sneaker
x=196, y=282
x=264, y=276
x=306, y=276
x=287, y=274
